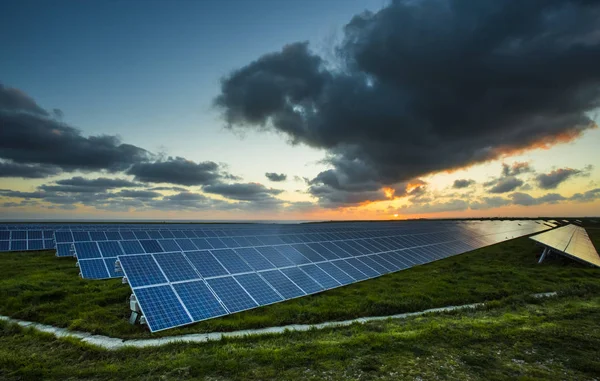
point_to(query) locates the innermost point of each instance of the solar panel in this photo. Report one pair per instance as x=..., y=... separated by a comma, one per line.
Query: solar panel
x=571, y=241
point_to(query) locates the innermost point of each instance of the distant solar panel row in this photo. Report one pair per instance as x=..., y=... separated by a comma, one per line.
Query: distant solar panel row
x=24, y=240
x=178, y=288
x=95, y=257
x=572, y=241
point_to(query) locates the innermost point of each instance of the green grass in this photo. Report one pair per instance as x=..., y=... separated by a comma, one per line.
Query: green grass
x=522, y=339
x=40, y=287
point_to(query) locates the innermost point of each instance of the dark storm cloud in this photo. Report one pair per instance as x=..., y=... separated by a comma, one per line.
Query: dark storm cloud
x=176, y=170
x=80, y=184
x=27, y=171
x=242, y=191
x=276, y=176
x=463, y=183
x=137, y=194
x=555, y=178
x=31, y=135
x=15, y=100
x=506, y=184
x=425, y=86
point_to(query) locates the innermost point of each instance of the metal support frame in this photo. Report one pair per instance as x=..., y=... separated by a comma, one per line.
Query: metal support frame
x=136, y=312
x=544, y=253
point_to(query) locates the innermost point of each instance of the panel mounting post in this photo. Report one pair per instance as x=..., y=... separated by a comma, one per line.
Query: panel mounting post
x=544, y=253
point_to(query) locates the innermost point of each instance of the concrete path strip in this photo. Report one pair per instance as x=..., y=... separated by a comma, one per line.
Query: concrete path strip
x=112, y=343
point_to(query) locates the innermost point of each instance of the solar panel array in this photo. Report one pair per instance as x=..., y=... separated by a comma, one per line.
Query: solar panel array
x=178, y=287
x=572, y=241
x=26, y=240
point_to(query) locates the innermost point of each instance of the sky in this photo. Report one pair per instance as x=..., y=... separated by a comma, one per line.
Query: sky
x=299, y=110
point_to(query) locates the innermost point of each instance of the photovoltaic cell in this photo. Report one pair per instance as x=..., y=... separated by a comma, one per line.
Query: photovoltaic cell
x=260, y=290
x=299, y=277
x=231, y=294
x=142, y=270
x=199, y=300
x=93, y=269
x=176, y=267
x=161, y=307
x=231, y=261
x=206, y=264
x=282, y=284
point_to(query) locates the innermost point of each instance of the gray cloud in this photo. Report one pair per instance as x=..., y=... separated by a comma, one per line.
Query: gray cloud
x=276, y=176
x=137, y=194
x=28, y=171
x=31, y=135
x=506, y=184
x=437, y=207
x=81, y=184
x=525, y=199
x=463, y=183
x=591, y=195
x=553, y=179
x=517, y=168
x=176, y=170
x=474, y=89
x=243, y=191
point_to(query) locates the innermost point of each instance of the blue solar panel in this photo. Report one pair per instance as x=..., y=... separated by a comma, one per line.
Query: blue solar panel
x=113, y=236
x=362, y=267
x=154, y=234
x=161, y=307
x=110, y=266
x=260, y=290
x=167, y=234
x=254, y=258
x=19, y=235
x=169, y=245
x=49, y=244
x=349, y=249
x=98, y=236
x=242, y=241
x=274, y=256
x=36, y=244
x=231, y=294
x=302, y=280
x=81, y=236
x=199, y=300
x=176, y=267
x=93, y=269
x=331, y=246
x=87, y=250
x=48, y=234
x=128, y=235
x=309, y=253
x=142, y=270
x=373, y=263
x=216, y=243
x=282, y=284
x=34, y=234
x=63, y=250
x=110, y=249
x=4, y=235
x=4, y=245
x=320, y=276
x=202, y=244
x=323, y=251
x=292, y=254
x=151, y=246
x=206, y=264
x=231, y=261
x=186, y=244
x=141, y=234
x=229, y=242
x=349, y=269
x=132, y=247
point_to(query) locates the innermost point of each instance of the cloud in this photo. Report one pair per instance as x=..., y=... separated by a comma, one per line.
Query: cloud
x=463, y=183
x=81, y=184
x=489, y=203
x=426, y=86
x=175, y=189
x=176, y=170
x=28, y=171
x=591, y=195
x=277, y=177
x=516, y=168
x=525, y=199
x=31, y=135
x=437, y=207
x=243, y=191
x=506, y=184
x=143, y=194
x=553, y=179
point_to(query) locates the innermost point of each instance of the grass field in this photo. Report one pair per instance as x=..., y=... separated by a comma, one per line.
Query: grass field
x=40, y=287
